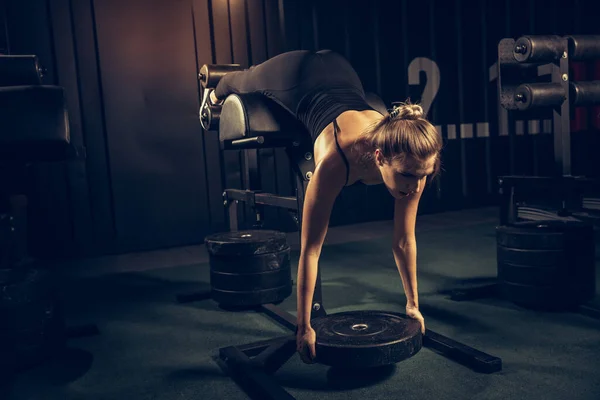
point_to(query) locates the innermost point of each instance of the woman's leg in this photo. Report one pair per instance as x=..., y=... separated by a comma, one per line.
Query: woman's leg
x=289, y=77
x=285, y=78
x=281, y=72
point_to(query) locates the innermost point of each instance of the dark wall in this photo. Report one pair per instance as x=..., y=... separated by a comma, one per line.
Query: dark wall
x=152, y=178
x=3, y=30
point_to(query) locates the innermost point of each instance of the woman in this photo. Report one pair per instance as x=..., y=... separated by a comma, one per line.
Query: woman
x=352, y=143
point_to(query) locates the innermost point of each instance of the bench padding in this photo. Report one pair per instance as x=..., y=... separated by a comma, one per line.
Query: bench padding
x=245, y=116
x=255, y=115
x=34, y=124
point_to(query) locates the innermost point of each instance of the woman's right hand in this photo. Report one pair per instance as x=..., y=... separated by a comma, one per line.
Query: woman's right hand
x=305, y=344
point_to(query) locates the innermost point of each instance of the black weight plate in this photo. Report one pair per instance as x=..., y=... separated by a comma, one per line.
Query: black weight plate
x=538, y=258
x=542, y=235
x=366, y=339
x=249, y=282
x=251, y=298
x=246, y=242
x=547, y=297
x=532, y=275
x=253, y=263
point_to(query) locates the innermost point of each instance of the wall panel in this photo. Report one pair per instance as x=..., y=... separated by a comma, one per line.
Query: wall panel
x=153, y=178
x=30, y=31
x=148, y=69
x=448, y=114
x=3, y=30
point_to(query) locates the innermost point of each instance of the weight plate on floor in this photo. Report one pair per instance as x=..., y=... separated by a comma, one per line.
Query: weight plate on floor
x=251, y=298
x=246, y=242
x=538, y=258
x=542, y=235
x=548, y=297
x=366, y=339
x=532, y=275
x=251, y=264
x=250, y=281
x=546, y=264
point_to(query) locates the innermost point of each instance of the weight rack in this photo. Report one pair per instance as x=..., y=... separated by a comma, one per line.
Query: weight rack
x=253, y=365
x=521, y=89
x=523, y=66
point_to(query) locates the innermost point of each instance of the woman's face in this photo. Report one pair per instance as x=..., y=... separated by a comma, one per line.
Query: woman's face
x=404, y=178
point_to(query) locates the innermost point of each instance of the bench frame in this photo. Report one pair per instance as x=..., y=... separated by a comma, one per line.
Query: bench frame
x=253, y=365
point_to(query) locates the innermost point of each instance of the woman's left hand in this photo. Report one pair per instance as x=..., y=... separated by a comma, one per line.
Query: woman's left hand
x=413, y=312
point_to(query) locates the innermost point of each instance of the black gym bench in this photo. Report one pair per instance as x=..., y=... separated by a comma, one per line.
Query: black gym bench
x=249, y=122
x=35, y=129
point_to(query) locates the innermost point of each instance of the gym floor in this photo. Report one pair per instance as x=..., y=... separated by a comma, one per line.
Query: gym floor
x=151, y=347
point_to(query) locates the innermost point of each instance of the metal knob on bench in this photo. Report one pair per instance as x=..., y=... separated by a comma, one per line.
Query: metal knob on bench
x=211, y=74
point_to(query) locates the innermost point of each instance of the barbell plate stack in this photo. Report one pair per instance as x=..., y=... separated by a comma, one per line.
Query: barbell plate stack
x=365, y=339
x=246, y=242
x=546, y=264
x=249, y=268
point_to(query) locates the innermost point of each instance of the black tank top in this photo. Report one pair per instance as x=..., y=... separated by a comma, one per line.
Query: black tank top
x=336, y=128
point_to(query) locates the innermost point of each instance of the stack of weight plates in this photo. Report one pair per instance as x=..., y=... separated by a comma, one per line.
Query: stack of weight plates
x=31, y=326
x=249, y=268
x=546, y=264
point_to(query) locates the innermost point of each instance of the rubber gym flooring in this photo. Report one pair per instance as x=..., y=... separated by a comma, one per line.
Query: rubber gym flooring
x=151, y=347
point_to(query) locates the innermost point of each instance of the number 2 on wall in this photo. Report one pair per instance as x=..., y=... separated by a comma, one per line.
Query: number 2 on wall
x=432, y=85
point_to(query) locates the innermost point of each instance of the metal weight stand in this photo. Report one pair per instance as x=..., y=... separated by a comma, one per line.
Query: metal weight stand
x=521, y=65
x=300, y=155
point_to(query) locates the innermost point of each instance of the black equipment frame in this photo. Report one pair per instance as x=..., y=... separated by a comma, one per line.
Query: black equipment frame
x=252, y=365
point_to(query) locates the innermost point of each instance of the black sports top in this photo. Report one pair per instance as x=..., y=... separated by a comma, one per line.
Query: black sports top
x=322, y=107
x=324, y=104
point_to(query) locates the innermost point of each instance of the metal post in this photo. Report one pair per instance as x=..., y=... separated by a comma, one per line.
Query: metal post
x=232, y=209
x=318, y=310
x=252, y=179
x=562, y=118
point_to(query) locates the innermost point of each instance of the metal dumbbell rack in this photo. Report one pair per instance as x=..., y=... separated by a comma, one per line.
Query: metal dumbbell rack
x=524, y=66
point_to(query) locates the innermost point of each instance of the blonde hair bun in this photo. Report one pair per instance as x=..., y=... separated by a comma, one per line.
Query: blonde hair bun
x=407, y=111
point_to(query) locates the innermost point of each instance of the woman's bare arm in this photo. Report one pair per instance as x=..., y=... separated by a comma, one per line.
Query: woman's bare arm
x=324, y=187
x=404, y=245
